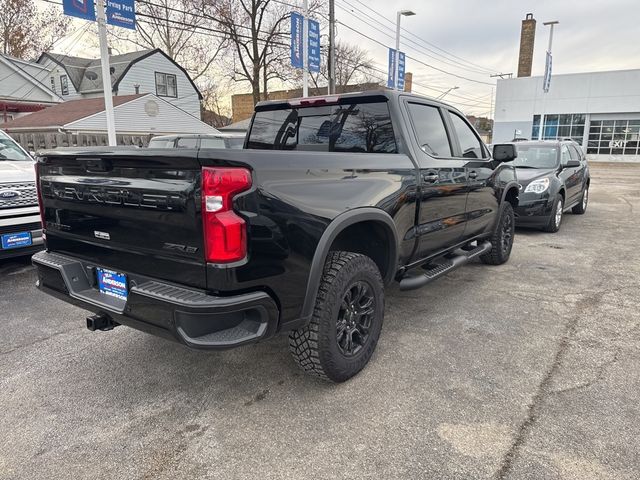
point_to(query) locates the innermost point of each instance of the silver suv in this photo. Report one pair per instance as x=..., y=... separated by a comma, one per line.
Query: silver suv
x=20, y=227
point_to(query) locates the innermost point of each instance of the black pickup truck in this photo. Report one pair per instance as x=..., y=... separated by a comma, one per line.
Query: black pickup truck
x=331, y=199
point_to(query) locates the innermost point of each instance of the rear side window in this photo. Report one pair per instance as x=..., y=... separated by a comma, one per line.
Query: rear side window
x=187, y=143
x=469, y=143
x=358, y=127
x=430, y=130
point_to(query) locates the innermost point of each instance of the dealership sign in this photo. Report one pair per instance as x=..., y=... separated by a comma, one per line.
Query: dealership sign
x=79, y=8
x=546, y=82
x=297, y=41
x=121, y=13
x=391, y=75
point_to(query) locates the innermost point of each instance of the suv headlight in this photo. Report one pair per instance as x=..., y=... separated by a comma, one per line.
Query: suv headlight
x=537, y=186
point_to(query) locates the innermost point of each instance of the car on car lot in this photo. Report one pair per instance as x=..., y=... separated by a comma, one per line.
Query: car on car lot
x=218, y=140
x=553, y=177
x=20, y=228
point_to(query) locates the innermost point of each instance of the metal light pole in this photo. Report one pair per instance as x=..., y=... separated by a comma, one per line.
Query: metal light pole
x=445, y=93
x=332, y=47
x=305, y=49
x=106, y=74
x=406, y=13
x=551, y=24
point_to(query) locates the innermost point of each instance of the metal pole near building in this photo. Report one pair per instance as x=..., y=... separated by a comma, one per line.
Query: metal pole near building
x=406, y=13
x=305, y=50
x=551, y=24
x=106, y=74
x=331, y=64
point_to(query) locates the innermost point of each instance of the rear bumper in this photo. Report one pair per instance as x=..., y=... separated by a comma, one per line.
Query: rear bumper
x=185, y=315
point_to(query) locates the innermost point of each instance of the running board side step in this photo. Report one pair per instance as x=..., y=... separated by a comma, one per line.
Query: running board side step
x=461, y=257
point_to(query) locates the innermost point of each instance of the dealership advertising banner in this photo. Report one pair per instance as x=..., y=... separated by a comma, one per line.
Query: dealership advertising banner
x=121, y=13
x=84, y=9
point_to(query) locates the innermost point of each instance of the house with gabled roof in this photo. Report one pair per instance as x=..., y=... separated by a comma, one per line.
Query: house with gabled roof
x=23, y=88
x=146, y=71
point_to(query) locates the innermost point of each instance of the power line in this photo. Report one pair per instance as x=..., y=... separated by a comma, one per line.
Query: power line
x=487, y=70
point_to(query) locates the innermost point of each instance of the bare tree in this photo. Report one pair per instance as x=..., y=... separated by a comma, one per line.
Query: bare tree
x=353, y=65
x=26, y=32
x=180, y=30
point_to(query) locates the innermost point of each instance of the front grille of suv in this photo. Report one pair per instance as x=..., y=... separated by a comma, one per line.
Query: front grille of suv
x=18, y=195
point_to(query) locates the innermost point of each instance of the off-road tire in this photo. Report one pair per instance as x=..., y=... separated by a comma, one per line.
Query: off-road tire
x=315, y=347
x=553, y=225
x=581, y=207
x=502, y=237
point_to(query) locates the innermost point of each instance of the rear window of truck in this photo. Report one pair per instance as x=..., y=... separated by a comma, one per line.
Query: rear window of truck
x=355, y=127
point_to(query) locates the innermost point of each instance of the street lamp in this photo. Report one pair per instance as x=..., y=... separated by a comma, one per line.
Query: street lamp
x=406, y=13
x=445, y=93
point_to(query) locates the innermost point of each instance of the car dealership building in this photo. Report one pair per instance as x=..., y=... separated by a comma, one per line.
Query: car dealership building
x=599, y=110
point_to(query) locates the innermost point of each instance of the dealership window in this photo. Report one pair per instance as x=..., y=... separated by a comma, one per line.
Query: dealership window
x=64, y=85
x=166, y=85
x=557, y=126
x=614, y=137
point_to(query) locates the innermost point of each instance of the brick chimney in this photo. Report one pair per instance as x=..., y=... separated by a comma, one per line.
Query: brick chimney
x=527, y=39
x=408, y=81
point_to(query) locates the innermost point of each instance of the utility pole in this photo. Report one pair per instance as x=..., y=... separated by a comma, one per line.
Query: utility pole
x=331, y=64
x=106, y=73
x=305, y=49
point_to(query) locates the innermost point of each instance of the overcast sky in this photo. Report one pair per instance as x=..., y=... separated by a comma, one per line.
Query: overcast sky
x=593, y=35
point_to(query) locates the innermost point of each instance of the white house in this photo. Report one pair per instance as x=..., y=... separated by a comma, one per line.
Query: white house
x=146, y=71
x=21, y=88
x=138, y=116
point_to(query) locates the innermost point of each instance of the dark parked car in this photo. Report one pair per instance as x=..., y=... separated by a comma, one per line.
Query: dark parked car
x=333, y=199
x=214, y=140
x=553, y=177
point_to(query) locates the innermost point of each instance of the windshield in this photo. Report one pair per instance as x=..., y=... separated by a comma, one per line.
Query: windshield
x=9, y=150
x=536, y=156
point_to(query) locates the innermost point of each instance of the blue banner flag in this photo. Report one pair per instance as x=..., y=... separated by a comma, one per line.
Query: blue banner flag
x=391, y=75
x=296, y=40
x=313, y=48
x=121, y=13
x=79, y=8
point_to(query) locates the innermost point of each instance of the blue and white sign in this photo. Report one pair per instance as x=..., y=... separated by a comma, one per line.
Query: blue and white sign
x=546, y=82
x=15, y=240
x=79, y=8
x=121, y=13
x=313, y=49
x=112, y=283
x=392, y=69
x=296, y=40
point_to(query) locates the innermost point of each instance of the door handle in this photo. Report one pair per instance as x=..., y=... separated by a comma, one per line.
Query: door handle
x=473, y=174
x=430, y=178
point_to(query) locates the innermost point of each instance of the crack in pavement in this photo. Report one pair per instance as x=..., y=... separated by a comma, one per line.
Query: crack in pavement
x=35, y=342
x=533, y=409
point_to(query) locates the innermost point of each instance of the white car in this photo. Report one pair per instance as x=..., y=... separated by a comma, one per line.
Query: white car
x=20, y=227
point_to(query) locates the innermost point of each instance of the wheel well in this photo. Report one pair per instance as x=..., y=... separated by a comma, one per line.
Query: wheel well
x=512, y=196
x=561, y=192
x=370, y=238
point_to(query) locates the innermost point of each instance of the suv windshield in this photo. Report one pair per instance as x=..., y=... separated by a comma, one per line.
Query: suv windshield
x=355, y=127
x=536, y=156
x=9, y=150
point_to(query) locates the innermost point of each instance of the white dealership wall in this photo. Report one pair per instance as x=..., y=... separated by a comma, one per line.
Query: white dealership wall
x=612, y=95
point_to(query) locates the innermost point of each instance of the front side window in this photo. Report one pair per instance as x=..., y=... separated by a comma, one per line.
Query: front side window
x=430, y=130
x=470, y=145
x=347, y=127
x=166, y=85
x=64, y=85
x=565, y=156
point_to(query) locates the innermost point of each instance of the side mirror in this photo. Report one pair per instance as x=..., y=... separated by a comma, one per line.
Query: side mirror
x=504, y=152
x=572, y=164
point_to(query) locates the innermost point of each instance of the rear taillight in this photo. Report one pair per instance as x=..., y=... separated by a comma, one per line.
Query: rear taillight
x=39, y=192
x=225, y=233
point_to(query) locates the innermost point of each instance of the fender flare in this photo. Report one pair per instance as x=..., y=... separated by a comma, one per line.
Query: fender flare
x=336, y=226
x=506, y=189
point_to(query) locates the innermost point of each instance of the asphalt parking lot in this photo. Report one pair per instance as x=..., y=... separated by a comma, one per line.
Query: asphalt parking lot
x=530, y=370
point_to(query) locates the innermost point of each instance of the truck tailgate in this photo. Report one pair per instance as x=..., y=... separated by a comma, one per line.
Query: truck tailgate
x=126, y=209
